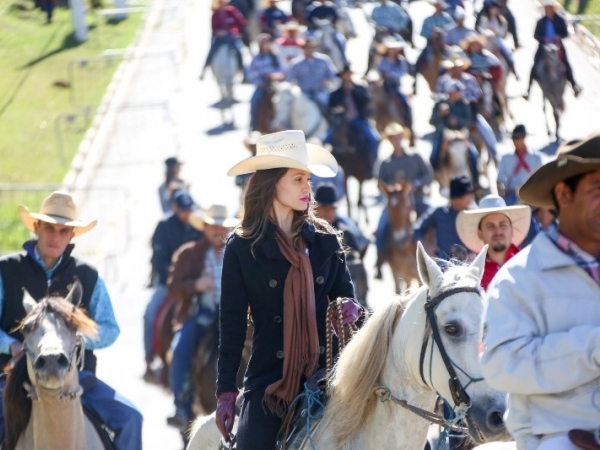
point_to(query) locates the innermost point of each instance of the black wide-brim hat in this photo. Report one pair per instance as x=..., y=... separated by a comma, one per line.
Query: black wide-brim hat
x=573, y=158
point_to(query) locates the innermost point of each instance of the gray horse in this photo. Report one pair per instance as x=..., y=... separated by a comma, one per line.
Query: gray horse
x=550, y=73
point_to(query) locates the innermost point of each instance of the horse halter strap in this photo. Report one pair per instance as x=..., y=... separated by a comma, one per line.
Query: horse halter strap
x=458, y=391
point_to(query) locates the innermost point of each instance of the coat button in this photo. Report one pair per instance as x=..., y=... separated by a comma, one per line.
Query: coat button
x=277, y=319
x=321, y=350
x=320, y=280
x=272, y=283
x=280, y=354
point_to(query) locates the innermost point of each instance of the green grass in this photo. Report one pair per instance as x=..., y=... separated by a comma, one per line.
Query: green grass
x=585, y=7
x=41, y=124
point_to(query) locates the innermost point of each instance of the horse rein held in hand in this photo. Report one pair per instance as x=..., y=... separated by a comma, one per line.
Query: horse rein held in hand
x=458, y=391
x=334, y=310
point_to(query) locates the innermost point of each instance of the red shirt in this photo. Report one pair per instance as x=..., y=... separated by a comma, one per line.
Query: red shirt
x=492, y=267
x=228, y=19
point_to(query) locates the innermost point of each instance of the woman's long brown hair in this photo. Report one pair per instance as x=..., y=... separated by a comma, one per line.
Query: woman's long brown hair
x=257, y=211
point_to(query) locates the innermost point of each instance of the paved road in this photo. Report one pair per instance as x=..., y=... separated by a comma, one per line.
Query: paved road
x=167, y=111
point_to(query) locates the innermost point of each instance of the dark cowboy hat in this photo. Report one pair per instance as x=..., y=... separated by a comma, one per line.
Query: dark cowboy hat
x=519, y=132
x=172, y=161
x=573, y=158
x=345, y=69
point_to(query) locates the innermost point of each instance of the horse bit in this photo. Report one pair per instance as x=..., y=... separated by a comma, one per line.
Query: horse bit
x=462, y=401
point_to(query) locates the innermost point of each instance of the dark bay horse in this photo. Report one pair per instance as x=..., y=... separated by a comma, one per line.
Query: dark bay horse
x=388, y=108
x=350, y=149
x=265, y=112
x=551, y=75
x=429, y=67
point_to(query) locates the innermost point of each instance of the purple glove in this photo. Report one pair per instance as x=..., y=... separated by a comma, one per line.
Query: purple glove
x=350, y=312
x=225, y=413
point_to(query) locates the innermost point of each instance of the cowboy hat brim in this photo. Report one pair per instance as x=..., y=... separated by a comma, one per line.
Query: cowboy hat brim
x=438, y=2
x=537, y=190
x=320, y=163
x=467, y=224
x=464, y=44
x=449, y=64
x=29, y=219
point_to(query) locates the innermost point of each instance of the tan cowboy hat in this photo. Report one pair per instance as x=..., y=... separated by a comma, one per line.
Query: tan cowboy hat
x=292, y=25
x=467, y=222
x=473, y=37
x=456, y=61
x=287, y=149
x=215, y=215
x=573, y=158
x=393, y=129
x=58, y=208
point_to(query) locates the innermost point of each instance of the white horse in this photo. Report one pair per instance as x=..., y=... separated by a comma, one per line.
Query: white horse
x=344, y=24
x=325, y=35
x=294, y=110
x=394, y=359
x=224, y=67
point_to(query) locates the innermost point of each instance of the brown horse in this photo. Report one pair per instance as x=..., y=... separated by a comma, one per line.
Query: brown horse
x=429, y=67
x=386, y=111
x=353, y=155
x=265, y=111
x=400, y=249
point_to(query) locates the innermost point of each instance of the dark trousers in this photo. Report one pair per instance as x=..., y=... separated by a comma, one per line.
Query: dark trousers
x=258, y=426
x=538, y=56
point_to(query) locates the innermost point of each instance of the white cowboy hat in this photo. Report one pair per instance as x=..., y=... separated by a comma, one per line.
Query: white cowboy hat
x=287, y=149
x=441, y=3
x=553, y=3
x=215, y=215
x=58, y=208
x=467, y=222
x=393, y=129
x=456, y=61
x=292, y=25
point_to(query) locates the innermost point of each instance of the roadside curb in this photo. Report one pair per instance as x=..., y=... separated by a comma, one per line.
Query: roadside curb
x=92, y=148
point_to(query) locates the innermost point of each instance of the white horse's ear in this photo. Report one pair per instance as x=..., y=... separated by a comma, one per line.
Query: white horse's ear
x=429, y=271
x=75, y=294
x=478, y=264
x=28, y=301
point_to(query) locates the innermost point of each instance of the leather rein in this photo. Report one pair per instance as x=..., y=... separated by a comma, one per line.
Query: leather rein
x=461, y=399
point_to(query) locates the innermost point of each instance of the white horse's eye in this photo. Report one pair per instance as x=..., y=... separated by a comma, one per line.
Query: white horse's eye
x=452, y=329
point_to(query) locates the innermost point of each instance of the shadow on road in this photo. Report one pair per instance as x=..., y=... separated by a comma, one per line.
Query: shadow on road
x=221, y=129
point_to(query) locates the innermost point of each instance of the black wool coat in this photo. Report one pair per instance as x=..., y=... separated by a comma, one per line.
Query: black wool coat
x=257, y=281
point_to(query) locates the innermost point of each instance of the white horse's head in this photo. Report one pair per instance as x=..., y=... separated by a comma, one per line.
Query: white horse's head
x=454, y=302
x=53, y=333
x=294, y=110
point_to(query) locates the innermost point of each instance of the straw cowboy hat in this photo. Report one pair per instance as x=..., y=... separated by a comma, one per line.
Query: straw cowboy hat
x=456, y=61
x=573, y=158
x=292, y=25
x=552, y=3
x=389, y=43
x=58, y=208
x=393, y=129
x=473, y=37
x=287, y=149
x=215, y=215
x=467, y=222
x=441, y=3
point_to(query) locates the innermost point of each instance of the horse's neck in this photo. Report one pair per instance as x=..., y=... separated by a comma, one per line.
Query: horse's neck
x=58, y=423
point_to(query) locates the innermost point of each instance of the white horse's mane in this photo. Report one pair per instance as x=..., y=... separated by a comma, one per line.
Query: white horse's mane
x=359, y=367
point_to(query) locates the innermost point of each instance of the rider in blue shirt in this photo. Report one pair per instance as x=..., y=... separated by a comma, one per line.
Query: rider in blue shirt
x=551, y=29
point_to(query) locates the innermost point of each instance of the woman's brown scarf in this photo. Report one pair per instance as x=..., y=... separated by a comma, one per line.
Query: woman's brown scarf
x=300, y=337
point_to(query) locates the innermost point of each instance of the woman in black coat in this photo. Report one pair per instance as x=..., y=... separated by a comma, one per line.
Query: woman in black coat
x=283, y=264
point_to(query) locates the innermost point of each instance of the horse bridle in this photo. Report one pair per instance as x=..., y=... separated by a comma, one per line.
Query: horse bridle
x=458, y=391
x=76, y=355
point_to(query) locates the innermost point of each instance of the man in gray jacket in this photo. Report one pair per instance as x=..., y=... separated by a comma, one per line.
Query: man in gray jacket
x=543, y=320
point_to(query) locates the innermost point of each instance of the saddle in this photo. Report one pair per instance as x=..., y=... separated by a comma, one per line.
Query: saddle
x=585, y=440
x=305, y=414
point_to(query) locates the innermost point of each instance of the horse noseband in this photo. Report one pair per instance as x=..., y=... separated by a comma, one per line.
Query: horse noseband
x=458, y=391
